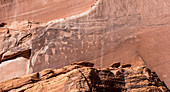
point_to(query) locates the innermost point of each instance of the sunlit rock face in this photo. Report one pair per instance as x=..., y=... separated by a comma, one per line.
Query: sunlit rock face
x=82, y=77
x=129, y=31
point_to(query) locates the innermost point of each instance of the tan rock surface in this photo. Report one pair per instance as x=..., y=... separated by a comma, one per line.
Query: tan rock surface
x=13, y=68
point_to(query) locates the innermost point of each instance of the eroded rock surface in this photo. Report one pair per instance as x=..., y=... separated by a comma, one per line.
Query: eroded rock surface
x=84, y=78
x=128, y=31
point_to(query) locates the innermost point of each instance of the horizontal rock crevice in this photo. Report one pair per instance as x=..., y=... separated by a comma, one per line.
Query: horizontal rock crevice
x=26, y=54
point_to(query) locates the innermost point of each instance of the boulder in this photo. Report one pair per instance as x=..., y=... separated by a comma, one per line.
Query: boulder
x=87, y=64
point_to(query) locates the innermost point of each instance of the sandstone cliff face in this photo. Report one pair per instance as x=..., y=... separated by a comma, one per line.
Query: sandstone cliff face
x=81, y=77
x=42, y=11
x=128, y=31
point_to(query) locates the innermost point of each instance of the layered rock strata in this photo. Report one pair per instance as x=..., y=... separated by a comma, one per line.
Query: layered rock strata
x=127, y=31
x=82, y=77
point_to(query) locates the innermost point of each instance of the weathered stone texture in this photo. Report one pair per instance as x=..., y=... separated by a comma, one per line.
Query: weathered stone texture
x=84, y=78
x=127, y=31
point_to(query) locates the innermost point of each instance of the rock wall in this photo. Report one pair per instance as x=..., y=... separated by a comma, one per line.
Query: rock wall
x=128, y=31
x=82, y=77
x=42, y=11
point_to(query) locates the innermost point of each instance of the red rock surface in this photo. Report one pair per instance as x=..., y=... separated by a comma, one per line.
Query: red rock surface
x=84, y=78
x=42, y=11
x=128, y=31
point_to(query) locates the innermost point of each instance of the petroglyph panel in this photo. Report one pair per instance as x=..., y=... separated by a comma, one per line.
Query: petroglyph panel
x=126, y=31
x=110, y=32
